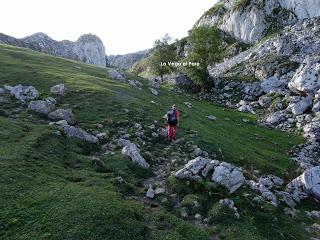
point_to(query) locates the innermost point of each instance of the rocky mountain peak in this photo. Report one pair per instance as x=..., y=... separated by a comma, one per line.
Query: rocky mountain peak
x=88, y=48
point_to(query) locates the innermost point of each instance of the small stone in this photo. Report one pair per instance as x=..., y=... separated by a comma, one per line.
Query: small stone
x=154, y=91
x=212, y=118
x=59, y=89
x=159, y=191
x=155, y=135
x=198, y=217
x=183, y=213
x=150, y=193
x=119, y=179
x=102, y=136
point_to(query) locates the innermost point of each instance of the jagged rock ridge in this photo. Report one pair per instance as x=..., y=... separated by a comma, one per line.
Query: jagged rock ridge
x=88, y=48
x=127, y=60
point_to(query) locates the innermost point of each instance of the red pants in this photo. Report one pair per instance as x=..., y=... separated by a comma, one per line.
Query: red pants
x=172, y=132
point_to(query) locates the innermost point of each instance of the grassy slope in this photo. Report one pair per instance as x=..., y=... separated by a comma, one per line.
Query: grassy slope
x=50, y=190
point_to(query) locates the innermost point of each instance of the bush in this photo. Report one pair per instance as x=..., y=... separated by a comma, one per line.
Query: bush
x=205, y=42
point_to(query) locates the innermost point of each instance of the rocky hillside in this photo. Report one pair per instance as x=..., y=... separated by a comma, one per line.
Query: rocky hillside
x=250, y=20
x=76, y=144
x=285, y=83
x=126, y=61
x=88, y=48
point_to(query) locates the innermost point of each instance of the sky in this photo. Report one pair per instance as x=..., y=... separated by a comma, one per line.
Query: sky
x=124, y=26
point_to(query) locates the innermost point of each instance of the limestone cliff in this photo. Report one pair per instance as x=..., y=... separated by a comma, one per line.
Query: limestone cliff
x=250, y=20
x=88, y=48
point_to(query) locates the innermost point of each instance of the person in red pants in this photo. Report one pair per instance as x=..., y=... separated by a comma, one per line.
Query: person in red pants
x=172, y=117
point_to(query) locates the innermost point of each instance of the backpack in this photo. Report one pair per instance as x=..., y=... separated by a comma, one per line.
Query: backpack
x=172, y=117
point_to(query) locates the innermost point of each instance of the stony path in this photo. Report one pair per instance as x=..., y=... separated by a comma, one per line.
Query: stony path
x=221, y=68
x=226, y=65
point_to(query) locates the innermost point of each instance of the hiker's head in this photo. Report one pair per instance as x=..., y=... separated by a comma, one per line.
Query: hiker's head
x=174, y=106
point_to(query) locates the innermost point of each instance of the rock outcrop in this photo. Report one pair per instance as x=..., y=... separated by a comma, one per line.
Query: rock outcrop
x=306, y=184
x=23, y=93
x=88, y=48
x=132, y=151
x=286, y=90
x=45, y=106
x=77, y=132
x=59, y=89
x=224, y=173
x=62, y=114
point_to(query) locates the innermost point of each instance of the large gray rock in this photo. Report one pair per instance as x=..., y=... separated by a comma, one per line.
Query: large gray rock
x=23, y=93
x=79, y=133
x=45, y=106
x=2, y=91
x=154, y=91
x=132, y=151
x=135, y=83
x=302, y=106
x=62, y=114
x=116, y=74
x=306, y=183
x=271, y=84
x=276, y=118
x=307, y=77
x=59, y=89
x=228, y=176
x=196, y=168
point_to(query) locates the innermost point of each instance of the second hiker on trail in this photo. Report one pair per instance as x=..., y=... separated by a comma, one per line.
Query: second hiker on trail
x=172, y=117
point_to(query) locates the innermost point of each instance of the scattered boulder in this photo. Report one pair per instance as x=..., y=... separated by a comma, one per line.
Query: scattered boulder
x=196, y=168
x=116, y=75
x=316, y=107
x=23, y=93
x=159, y=190
x=306, y=183
x=212, y=118
x=228, y=176
x=302, y=106
x=286, y=198
x=59, y=89
x=188, y=104
x=155, y=83
x=79, y=133
x=252, y=91
x=276, y=118
x=150, y=193
x=136, y=84
x=271, y=84
x=243, y=106
x=229, y=203
x=265, y=101
x=154, y=91
x=266, y=194
x=62, y=114
x=2, y=91
x=45, y=106
x=132, y=151
x=307, y=77
x=313, y=214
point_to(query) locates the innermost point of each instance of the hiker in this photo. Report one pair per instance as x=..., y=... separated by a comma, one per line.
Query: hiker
x=172, y=117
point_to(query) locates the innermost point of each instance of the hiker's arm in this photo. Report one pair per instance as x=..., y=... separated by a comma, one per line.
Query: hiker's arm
x=164, y=116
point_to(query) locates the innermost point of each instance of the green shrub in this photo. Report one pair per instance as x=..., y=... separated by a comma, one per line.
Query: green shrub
x=205, y=42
